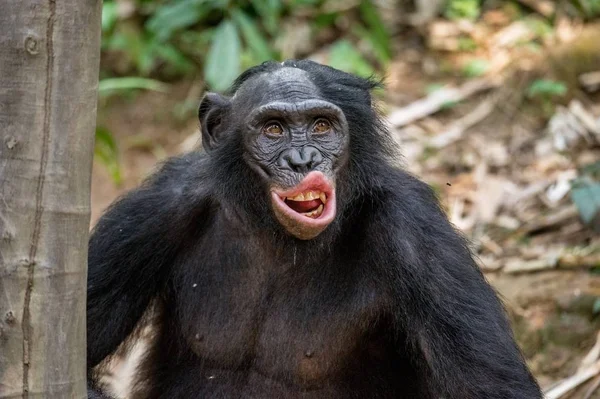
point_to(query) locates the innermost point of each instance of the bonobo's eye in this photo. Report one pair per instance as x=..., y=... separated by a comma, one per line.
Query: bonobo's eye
x=321, y=126
x=272, y=128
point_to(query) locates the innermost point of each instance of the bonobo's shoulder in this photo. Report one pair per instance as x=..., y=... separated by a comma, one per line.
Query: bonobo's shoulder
x=404, y=201
x=192, y=164
x=407, y=216
x=401, y=189
x=182, y=173
x=185, y=163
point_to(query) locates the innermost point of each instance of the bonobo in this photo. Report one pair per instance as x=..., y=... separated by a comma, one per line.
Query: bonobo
x=290, y=259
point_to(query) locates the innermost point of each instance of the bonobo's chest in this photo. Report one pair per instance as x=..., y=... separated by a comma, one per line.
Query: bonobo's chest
x=288, y=319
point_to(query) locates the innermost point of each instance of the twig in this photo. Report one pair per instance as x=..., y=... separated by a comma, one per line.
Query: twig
x=574, y=381
x=587, y=119
x=592, y=356
x=517, y=265
x=592, y=388
x=550, y=220
x=436, y=100
x=458, y=127
x=571, y=261
x=563, y=261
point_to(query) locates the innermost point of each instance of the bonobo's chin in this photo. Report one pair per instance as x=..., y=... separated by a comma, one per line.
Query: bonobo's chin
x=306, y=209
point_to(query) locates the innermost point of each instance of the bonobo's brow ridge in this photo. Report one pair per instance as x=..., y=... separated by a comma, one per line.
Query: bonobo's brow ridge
x=312, y=107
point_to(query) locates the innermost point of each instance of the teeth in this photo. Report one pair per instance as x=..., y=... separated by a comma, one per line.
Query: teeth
x=299, y=197
x=323, y=198
x=316, y=213
x=309, y=196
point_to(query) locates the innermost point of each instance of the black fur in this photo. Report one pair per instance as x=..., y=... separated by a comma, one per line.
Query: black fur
x=387, y=302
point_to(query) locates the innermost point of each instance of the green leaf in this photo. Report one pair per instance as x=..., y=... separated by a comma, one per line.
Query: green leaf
x=466, y=44
x=107, y=153
x=596, y=306
x=541, y=27
x=305, y=3
x=252, y=36
x=586, y=196
x=590, y=8
x=130, y=83
x=137, y=47
x=269, y=12
x=345, y=57
x=459, y=9
x=109, y=15
x=433, y=87
x=546, y=88
x=379, y=37
x=173, y=17
x=222, y=64
x=475, y=68
x=592, y=169
x=174, y=57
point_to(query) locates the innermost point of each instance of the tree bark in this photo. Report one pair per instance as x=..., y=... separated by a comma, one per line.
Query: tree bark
x=49, y=60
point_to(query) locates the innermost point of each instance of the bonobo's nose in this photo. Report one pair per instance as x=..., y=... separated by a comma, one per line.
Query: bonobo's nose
x=300, y=160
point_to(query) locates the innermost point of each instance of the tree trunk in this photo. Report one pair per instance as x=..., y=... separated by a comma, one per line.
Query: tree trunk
x=49, y=60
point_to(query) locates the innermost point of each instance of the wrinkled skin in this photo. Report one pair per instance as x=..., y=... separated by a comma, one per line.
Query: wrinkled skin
x=290, y=99
x=291, y=258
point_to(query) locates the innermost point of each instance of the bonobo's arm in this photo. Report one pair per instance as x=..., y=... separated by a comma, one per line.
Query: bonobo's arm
x=456, y=326
x=133, y=246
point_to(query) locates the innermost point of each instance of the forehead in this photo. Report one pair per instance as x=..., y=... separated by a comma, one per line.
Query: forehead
x=282, y=85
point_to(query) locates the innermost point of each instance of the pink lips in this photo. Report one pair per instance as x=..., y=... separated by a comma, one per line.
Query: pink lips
x=314, y=181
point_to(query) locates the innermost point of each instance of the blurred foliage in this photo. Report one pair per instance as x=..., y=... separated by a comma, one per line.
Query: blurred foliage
x=546, y=88
x=585, y=194
x=462, y=9
x=170, y=39
x=546, y=91
x=586, y=8
x=472, y=9
x=475, y=68
x=109, y=85
x=107, y=153
x=106, y=150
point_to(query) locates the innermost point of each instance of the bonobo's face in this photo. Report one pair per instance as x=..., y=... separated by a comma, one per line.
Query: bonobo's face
x=296, y=141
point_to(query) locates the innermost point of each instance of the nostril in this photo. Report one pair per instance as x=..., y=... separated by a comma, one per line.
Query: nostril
x=313, y=156
x=283, y=163
x=316, y=158
x=300, y=160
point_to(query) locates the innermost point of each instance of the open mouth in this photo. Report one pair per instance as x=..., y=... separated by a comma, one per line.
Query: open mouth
x=309, y=203
x=309, y=206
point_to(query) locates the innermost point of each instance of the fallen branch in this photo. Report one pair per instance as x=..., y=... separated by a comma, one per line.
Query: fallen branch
x=592, y=356
x=517, y=265
x=458, y=127
x=573, y=382
x=585, y=117
x=550, y=220
x=563, y=261
x=571, y=261
x=437, y=100
x=592, y=388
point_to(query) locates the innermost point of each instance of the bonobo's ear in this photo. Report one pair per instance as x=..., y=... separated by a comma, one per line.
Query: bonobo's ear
x=213, y=109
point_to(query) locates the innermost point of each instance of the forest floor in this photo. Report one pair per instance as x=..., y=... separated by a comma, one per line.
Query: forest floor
x=502, y=172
